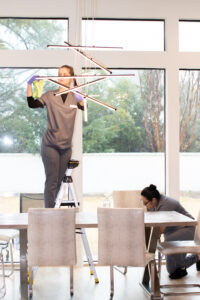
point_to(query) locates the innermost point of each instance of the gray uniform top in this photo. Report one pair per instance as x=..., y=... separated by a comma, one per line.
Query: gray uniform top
x=61, y=119
x=169, y=204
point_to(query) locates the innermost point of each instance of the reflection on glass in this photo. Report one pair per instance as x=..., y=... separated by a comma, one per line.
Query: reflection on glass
x=25, y=34
x=190, y=139
x=138, y=123
x=21, y=128
x=189, y=111
x=123, y=150
x=131, y=35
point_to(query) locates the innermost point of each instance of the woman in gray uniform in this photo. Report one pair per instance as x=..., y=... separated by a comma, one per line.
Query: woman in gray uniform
x=176, y=264
x=56, y=146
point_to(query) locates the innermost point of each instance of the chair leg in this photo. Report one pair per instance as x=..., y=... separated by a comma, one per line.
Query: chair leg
x=155, y=284
x=111, y=282
x=11, y=258
x=3, y=275
x=122, y=272
x=30, y=286
x=159, y=264
x=10, y=245
x=71, y=281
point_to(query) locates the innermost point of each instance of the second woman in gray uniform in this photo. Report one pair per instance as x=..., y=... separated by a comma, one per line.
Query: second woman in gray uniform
x=56, y=146
x=176, y=264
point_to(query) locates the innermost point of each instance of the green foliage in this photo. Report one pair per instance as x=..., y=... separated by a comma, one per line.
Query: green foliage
x=106, y=131
x=23, y=125
x=120, y=131
x=29, y=33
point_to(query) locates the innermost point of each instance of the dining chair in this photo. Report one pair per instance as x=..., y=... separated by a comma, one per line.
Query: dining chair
x=7, y=237
x=51, y=240
x=121, y=241
x=179, y=247
x=127, y=199
x=3, y=287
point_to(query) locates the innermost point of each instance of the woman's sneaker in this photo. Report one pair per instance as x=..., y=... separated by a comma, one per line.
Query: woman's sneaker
x=198, y=265
x=178, y=273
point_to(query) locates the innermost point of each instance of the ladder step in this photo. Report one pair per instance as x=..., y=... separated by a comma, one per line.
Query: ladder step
x=69, y=203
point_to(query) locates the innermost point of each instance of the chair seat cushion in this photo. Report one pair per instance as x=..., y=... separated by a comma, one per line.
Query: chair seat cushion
x=176, y=247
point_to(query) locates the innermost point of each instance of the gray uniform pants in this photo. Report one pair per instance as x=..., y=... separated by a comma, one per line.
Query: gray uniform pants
x=180, y=260
x=55, y=164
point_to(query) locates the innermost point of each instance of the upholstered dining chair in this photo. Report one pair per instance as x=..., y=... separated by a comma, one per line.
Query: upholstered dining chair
x=51, y=240
x=3, y=287
x=121, y=240
x=7, y=237
x=127, y=199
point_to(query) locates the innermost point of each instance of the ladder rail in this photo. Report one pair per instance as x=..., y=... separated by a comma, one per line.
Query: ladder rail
x=67, y=187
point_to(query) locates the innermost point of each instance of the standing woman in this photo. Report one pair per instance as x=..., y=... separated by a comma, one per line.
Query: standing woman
x=56, y=146
x=176, y=264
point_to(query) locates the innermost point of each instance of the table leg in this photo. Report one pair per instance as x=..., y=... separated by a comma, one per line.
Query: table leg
x=153, y=238
x=150, y=276
x=23, y=264
x=147, y=235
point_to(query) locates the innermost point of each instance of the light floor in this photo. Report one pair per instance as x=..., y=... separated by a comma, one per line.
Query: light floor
x=53, y=284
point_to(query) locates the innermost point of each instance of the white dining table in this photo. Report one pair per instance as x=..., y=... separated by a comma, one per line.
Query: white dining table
x=153, y=220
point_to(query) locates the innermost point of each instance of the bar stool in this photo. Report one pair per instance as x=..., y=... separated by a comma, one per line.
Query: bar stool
x=178, y=247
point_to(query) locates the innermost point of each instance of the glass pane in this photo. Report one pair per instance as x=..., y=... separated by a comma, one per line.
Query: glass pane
x=25, y=34
x=123, y=150
x=21, y=129
x=189, y=36
x=131, y=35
x=190, y=139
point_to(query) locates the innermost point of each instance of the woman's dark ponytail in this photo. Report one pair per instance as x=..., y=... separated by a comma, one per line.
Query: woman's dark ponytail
x=75, y=82
x=151, y=192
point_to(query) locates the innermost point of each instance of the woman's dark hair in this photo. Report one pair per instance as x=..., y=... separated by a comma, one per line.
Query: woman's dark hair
x=71, y=71
x=151, y=192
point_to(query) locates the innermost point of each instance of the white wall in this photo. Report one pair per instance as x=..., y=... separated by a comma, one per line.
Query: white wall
x=102, y=173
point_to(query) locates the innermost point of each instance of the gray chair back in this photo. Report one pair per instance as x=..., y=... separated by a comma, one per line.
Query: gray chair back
x=31, y=200
x=127, y=199
x=51, y=237
x=121, y=237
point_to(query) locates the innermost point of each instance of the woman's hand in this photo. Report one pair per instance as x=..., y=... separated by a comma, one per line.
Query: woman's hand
x=79, y=99
x=29, y=85
x=33, y=78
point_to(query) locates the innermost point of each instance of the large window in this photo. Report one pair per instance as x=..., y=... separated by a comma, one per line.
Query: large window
x=124, y=150
x=26, y=34
x=137, y=35
x=132, y=136
x=190, y=139
x=21, y=129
